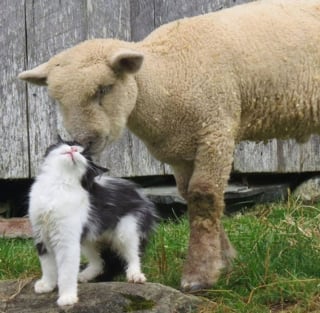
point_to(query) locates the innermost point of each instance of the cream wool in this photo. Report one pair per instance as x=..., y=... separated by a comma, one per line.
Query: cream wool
x=190, y=91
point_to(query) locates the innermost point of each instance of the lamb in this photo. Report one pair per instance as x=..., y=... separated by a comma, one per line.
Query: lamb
x=191, y=90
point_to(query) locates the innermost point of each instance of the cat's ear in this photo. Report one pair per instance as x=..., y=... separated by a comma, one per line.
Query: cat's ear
x=93, y=171
x=101, y=169
x=59, y=139
x=98, y=170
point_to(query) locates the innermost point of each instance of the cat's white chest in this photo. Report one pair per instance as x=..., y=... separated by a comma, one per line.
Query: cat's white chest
x=56, y=205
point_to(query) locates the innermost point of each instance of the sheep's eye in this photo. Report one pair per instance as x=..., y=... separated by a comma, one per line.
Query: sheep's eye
x=103, y=90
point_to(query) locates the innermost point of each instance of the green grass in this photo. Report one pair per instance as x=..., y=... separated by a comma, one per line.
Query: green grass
x=278, y=262
x=277, y=268
x=18, y=259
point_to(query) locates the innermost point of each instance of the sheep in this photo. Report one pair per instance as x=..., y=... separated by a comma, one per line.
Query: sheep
x=191, y=90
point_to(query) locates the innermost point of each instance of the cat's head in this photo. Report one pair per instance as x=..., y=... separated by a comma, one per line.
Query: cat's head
x=70, y=157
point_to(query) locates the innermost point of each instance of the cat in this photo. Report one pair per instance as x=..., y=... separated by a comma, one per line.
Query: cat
x=74, y=210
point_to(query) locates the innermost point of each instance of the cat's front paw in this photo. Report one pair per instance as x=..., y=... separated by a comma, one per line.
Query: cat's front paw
x=41, y=286
x=67, y=299
x=137, y=278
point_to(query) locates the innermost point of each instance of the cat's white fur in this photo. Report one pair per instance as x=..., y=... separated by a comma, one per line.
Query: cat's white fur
x=58, y=210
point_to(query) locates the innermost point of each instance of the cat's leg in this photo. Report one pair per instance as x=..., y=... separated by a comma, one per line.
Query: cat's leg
x=68, y=262
x=127, y=242
x=95, y=266
x=48, y=280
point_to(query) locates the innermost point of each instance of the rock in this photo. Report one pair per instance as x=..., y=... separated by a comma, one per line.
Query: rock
x=112, y=297
x=164, y=194
x=309, y=190
x=236, y=197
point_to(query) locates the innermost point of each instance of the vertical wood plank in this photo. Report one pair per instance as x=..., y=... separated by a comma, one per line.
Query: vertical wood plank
x=251, y=157
x=111, y=19
x=127, y=156
x=52, y=26
x=142, y=19
x=277, y=156
x=108, y=19
x=142, y=23
x=167, y=10
x=14, y=156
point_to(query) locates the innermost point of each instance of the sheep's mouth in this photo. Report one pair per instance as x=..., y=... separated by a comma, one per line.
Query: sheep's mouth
x=96, y=147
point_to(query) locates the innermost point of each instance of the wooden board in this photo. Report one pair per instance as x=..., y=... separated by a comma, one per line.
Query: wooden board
x=127, y=156
x=277, y=156
x=14, y=157
x=167, y=10
x=34, y=30
x=52, y=26
x=111, y=19
x=142, y=19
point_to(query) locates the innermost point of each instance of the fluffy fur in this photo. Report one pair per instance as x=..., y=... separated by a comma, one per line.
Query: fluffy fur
x=70, y=205
x=190, y=91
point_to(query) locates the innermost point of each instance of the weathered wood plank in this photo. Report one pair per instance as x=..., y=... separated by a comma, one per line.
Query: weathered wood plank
x=52, y=26
x=111, y=19
x=167, y=10
x=14, y=158
x=142, y=19
x=255, y=157
x=278, y=156
x=127, y=156
x=142, y=23
x=108, y=19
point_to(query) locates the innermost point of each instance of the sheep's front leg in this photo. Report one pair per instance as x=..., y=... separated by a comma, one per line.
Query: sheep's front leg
x=209, y=247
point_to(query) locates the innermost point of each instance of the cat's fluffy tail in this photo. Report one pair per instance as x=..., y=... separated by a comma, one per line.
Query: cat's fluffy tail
x=114, y=265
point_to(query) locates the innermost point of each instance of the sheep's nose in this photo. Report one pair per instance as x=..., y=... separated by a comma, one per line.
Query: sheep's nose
x=85, y=141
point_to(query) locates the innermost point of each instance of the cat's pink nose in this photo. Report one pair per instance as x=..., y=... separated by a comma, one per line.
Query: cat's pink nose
x=74, y=149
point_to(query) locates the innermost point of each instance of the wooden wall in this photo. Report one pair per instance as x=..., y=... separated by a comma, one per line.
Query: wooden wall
x=34, y=30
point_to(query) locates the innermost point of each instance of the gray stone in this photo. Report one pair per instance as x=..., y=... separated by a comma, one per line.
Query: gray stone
x=112, y=297
x=309, y=190
x=164, y=194
x=236, y=196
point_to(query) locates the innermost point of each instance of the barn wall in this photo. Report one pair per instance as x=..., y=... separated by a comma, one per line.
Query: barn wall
x=34, y=30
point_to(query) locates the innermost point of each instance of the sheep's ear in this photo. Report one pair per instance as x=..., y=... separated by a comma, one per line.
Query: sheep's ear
x=37, y=75
x=125, y=60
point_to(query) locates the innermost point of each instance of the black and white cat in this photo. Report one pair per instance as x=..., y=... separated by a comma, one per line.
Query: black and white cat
x=73, y=210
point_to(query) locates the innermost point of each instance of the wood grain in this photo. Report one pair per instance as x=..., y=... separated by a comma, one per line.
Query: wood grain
x=34, y=30
x=52, y=26
x=277, y=156
x=127, y=156
x=14, y=155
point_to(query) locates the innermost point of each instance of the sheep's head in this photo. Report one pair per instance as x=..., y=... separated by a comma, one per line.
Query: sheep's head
x=95, y=87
